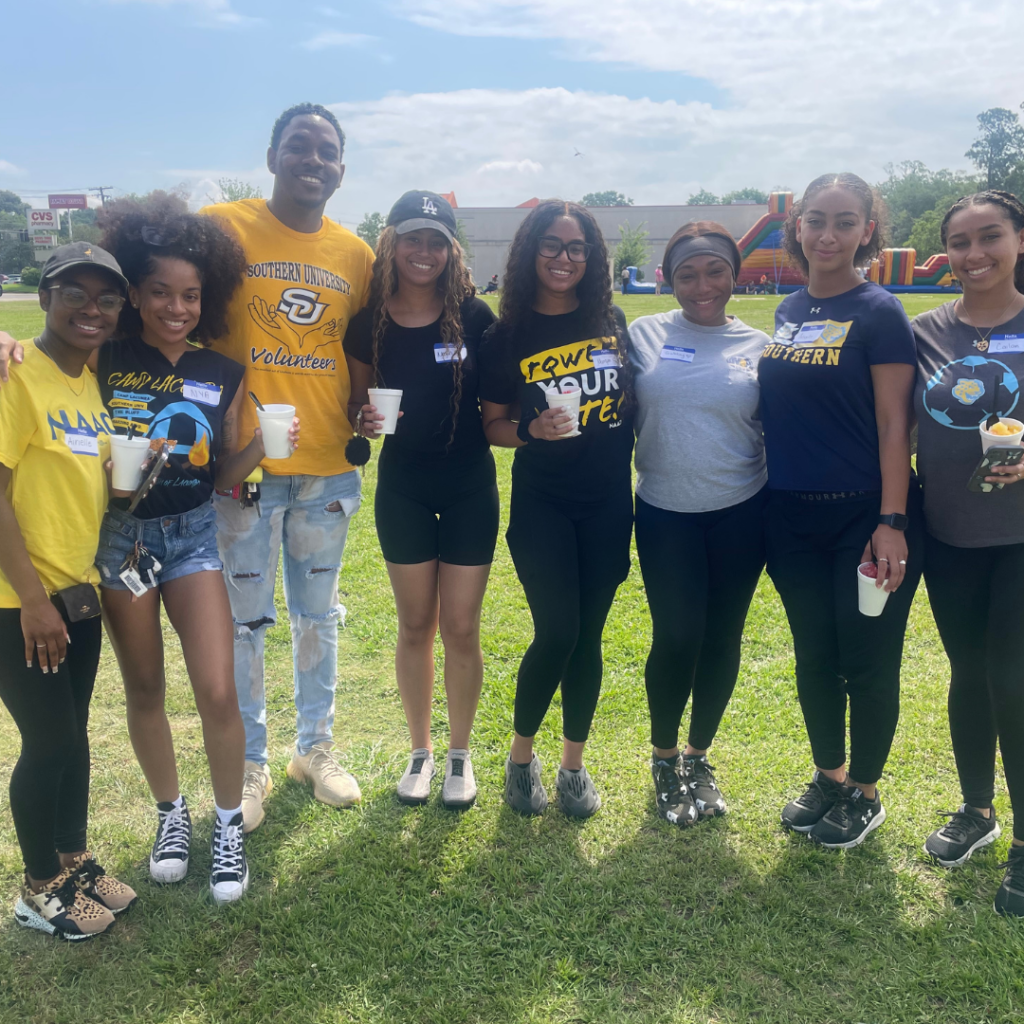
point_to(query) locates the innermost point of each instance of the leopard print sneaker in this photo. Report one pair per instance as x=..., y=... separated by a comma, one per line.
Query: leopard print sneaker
x=100, y=887
x=62, y=910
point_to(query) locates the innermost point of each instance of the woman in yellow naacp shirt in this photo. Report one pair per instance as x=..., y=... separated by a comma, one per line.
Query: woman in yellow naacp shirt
x=53, y=445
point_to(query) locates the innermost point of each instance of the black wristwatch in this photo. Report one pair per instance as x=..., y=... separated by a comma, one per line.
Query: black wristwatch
x=895, y=519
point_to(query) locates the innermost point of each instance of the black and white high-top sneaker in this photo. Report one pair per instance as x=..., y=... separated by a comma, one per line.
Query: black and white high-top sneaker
x=168, y=861
x=849, y=822
x=675, y=803
x=229, y=874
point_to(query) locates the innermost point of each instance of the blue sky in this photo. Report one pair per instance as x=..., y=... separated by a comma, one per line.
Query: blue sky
x=492, y=99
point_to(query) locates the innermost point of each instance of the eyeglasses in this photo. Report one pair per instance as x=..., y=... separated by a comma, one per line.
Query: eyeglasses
x=77, y=298
x=551, y=248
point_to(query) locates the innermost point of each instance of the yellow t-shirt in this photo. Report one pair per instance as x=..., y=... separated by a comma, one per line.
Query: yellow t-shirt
x=54, y=436
x=286, y=324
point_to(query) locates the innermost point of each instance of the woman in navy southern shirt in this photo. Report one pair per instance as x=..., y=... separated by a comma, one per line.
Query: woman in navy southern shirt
x=835, y=404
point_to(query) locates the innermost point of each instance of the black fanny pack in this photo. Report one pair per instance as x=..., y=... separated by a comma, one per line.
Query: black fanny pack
x=77, y=603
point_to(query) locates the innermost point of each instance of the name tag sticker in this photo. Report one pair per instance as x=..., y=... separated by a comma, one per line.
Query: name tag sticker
x=1006, y=343
x=809, y=334
x=82, y=443
x=446, y=354
x=678, y=353
x=204, y=394
x=605, y=359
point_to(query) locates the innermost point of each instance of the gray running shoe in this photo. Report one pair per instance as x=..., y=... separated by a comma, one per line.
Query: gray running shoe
x=523, y=789
x=459, y=790
x=577, y=795
x=414, y=785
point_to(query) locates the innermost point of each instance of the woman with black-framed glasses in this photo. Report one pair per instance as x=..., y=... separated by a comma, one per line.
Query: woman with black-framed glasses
x=571, y=515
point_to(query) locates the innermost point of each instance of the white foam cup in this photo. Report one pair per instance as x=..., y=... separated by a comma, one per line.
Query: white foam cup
x=569, y=399
x=275, y=422
x=388, y=402
x=1006, y=440
x=870, y=599
x=129, y=455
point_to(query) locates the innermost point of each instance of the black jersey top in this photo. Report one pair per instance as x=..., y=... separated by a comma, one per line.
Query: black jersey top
x=520, y=368
x=416, y=360
x=185, y=401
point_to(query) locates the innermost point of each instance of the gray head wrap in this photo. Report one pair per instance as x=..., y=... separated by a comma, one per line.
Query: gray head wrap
x=702, y=245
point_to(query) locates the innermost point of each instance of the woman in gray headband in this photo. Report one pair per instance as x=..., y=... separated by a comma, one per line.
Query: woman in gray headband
x=701, y=489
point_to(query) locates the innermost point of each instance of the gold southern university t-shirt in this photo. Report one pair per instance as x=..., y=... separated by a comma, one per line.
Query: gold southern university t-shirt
x=286, y=324
x=54, y=435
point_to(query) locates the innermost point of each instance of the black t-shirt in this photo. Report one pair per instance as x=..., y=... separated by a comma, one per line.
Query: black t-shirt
x=185, y=401
x=520, y=368
x=416, y=360
x=817, y=395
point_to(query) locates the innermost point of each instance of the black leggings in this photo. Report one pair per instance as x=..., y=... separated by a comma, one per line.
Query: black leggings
x=975, y=597
x=814, y=547
x=700, y=572
x=570, y=559
x=50, y=783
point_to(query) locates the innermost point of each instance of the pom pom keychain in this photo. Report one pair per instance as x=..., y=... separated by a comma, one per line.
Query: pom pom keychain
x=357, y=451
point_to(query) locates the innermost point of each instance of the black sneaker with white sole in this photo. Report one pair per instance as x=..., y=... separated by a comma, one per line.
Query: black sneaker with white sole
x=671, y=792
x=229, y=873
x=803, y=813
x=1010, y=897
x=168, y=861
x=849, y=822
x=700, y=777
x=966, y=831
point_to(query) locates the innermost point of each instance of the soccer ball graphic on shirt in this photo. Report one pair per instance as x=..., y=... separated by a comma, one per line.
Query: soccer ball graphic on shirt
x=966, y=391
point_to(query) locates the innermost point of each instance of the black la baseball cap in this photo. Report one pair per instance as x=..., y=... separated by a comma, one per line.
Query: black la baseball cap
x=418, y=210
x=80, y=254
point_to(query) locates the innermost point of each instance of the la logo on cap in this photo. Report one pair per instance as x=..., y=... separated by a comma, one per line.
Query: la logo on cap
x=429, y=207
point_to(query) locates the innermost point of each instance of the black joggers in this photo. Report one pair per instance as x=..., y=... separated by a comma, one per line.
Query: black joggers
x=570, y=558
x=975, y=597
x=50, y=783
x=700, y=571
x=814, y=545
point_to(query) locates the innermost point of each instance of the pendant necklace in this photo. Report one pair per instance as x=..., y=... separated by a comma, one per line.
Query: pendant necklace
x=983, y=339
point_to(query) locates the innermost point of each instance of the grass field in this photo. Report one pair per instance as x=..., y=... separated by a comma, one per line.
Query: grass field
x=388, y=914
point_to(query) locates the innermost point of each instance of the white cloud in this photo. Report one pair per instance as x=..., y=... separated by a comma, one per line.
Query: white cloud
x=6, y=167
x=328, y=39
x=202, y=183
x=214, y=12
x=513, y=166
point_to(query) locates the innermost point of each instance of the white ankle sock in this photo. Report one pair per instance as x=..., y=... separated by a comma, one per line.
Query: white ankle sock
x=224, y=817
x=178, y=802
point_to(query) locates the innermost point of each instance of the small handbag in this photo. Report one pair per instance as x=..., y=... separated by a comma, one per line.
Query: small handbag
x=78, y=602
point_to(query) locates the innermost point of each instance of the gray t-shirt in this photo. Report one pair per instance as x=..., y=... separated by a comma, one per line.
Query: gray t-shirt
x=699, y=445
x=959, y=384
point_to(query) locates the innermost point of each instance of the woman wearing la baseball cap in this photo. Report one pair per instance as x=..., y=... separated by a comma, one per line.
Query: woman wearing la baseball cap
x=436, y=504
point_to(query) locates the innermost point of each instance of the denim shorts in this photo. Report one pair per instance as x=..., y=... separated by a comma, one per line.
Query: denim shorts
x=182, y=544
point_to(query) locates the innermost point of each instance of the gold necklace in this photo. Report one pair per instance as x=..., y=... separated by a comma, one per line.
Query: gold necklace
x=983, y=339
x=67, y=379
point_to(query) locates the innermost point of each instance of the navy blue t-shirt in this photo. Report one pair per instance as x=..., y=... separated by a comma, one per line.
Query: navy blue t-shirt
x=817, y=398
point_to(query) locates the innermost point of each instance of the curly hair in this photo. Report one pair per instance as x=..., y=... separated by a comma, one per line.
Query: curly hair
x=312, y=109
x=454, y=285
x=594, y=290
x=137, y=234
x=1013, y=210
x=871, y=203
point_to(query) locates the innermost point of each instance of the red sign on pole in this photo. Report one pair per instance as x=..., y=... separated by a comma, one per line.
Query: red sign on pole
x=68, y=202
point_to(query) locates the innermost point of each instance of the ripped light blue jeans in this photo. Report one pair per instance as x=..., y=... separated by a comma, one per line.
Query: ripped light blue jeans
x=308, y=516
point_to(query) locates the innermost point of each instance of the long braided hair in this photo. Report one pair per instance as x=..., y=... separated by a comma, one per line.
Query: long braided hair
x=455, y=286
x=1008, y=203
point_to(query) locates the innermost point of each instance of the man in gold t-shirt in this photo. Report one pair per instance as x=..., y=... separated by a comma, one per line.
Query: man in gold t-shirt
x=307, y=277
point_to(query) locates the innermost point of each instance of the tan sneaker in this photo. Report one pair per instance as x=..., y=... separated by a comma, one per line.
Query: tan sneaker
x=331, y=783
x=100, y=887
x=62, y=910
x=256, y=788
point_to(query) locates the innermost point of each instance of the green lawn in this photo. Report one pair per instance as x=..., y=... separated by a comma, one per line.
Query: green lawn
x=392, y=914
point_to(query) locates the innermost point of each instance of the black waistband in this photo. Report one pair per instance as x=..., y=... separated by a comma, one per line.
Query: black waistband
x=833, y=497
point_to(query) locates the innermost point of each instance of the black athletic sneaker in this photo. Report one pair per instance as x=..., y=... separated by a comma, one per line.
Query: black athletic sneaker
x=675, y=804
x=965, y=832
x=803, y=813
x=229, y=873
x=700, y=777
x=168, y=861
x=1010, y=897
x=849, y=821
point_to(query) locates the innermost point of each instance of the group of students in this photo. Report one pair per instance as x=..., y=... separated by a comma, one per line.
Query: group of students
x=791, y=452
